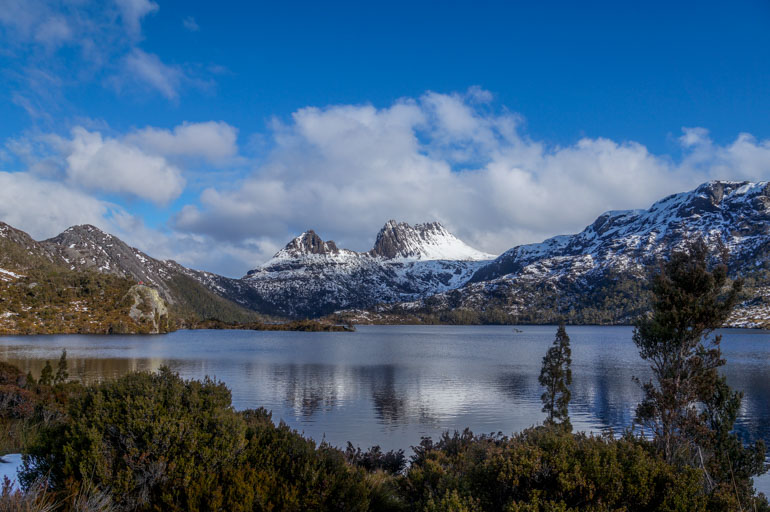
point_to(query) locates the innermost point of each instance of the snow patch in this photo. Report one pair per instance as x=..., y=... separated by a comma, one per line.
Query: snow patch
x=10, y=468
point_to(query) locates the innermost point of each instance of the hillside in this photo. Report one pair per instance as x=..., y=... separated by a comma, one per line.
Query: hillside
x=87, y=247
x=87, y=281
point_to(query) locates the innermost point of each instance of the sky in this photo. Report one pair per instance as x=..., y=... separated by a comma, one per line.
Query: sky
x=212, y=133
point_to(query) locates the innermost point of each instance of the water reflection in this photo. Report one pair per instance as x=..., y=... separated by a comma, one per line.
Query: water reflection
x=391, y=385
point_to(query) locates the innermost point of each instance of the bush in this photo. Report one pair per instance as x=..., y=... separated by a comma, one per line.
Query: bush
x=16, y=403
x=158, y=442
x=152, y=439
x=547, y=469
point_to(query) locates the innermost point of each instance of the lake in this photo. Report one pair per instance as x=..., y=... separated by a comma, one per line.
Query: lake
x=390, y=385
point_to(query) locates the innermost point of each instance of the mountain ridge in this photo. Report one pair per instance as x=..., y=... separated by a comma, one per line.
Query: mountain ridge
x=611, y=259
x=598, y=275
x=313, y=277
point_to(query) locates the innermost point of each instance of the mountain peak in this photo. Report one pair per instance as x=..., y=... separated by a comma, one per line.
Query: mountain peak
x=307, y=243
x=428, y=241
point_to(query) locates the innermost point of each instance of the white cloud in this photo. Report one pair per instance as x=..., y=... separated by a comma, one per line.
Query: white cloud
x=344, y=170
x=212, y=140
x=190, y=24
x=44, y=208
x=110, y=165
x=132, y=12
x=147, y=68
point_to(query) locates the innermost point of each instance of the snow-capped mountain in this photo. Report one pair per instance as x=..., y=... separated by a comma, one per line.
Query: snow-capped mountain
x=599, y=273
x=311, y=277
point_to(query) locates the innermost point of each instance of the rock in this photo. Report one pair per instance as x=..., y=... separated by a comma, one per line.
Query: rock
x=148, y=308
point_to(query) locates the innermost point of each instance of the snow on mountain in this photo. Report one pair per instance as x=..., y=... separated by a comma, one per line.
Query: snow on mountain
x=430, y=241
x=603, y=267
x=598, y=275
x=734, y=212
x=88, y=247
x=311, y=277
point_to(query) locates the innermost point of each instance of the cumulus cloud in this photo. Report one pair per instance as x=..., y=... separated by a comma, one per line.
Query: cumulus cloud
x=344, y=170
x=44, y=208
x=147, y=163
x=109, y=165
x=212, y=140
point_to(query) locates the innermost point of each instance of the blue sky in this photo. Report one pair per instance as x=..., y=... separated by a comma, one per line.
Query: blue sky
x=185, y=125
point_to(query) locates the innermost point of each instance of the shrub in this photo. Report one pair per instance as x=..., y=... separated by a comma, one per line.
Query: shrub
x=152, y=439
x=547, y=469
x=16, y=403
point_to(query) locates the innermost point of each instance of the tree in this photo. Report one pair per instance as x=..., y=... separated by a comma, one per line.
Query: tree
x=687, y=407
x=46, y=375
x=61, y=369
x=556, y=377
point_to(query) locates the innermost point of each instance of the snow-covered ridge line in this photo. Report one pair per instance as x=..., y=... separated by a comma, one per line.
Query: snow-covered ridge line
x=395, y=242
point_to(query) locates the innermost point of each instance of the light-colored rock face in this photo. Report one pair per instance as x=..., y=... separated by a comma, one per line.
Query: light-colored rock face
x=148, y=308
x=429, y=241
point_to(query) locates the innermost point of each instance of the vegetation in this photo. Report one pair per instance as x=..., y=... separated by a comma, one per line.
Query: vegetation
x=52, y=300
x=547, y=469
x=295, y=325
x=556, y=378
x=154, y=441
x=688, y=406
x=613, y=300
x=196, y=303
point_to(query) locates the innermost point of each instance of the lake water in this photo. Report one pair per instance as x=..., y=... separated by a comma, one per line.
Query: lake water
x=390, y=385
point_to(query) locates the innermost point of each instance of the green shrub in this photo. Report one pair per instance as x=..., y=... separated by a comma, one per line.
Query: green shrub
x=154, y=440
x=158, y=442
x=547, y=469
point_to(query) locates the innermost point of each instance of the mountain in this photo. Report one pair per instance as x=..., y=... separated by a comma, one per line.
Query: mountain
x=420, y=273
x=600, y=275
x=312, y=277
x=40, y=294
x=87, y=250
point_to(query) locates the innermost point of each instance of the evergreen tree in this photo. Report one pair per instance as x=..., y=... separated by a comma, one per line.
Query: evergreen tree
x=687, y=407
x=61, y=370
x=556, y=377
x=46, y=376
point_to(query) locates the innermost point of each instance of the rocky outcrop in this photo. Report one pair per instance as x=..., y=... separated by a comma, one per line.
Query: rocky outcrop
x=148, y=309
x=310, y=243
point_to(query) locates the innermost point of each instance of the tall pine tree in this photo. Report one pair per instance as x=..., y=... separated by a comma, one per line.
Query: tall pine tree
x=556, y=377
x=687, y=406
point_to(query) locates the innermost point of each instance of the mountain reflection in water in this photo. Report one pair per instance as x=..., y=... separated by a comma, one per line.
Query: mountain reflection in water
x=390, y=385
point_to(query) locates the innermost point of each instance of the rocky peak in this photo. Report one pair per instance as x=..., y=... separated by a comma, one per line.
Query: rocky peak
x=428, y=241
x=15, y=235
x=308, y=243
